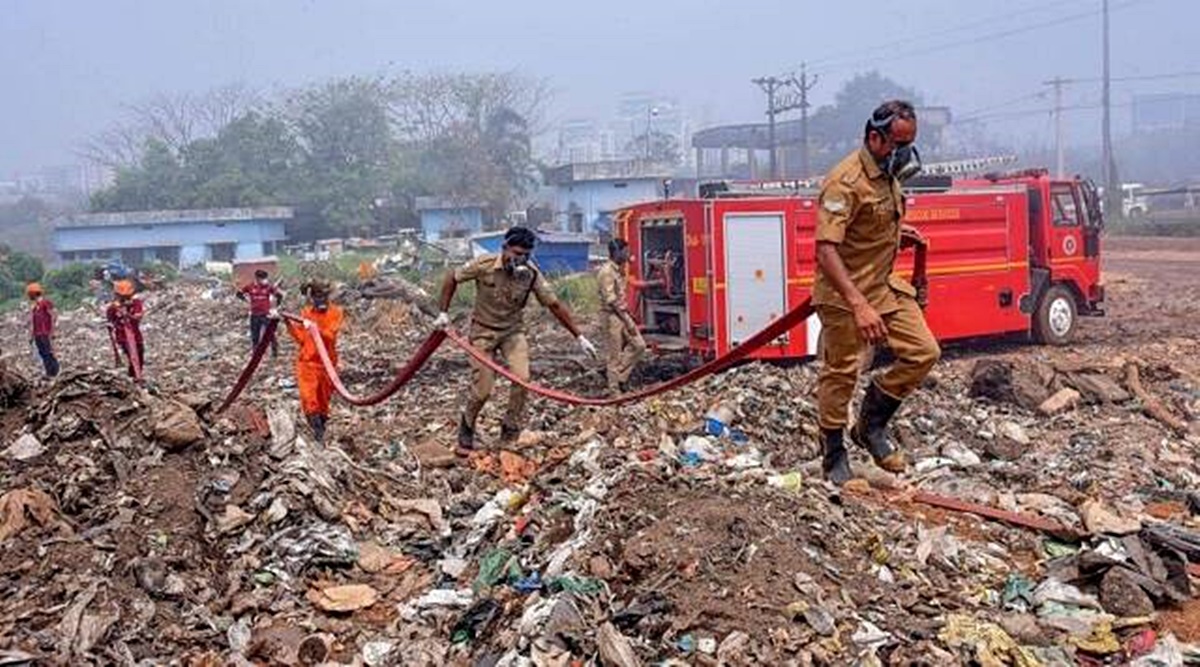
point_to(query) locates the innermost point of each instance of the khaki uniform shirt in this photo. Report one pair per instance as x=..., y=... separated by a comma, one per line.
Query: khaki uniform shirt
x=860, y=210
x=611, y=280
x=501, y=296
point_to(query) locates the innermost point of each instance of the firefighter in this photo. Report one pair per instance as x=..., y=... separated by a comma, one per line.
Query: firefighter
x=314, y=384
x=124, y=314
x=625, y=345
x=262, y=296
x=504, y=282
x=43, y=320
x=861, y=303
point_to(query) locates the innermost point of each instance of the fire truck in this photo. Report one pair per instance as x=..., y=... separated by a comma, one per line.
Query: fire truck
x=1014, y=253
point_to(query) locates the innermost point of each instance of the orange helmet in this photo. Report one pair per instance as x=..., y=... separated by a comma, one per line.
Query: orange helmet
x=33, y=289
x=123, y=288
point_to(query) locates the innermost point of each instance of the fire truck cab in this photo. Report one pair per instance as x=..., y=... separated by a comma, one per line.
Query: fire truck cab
x=1010, y=253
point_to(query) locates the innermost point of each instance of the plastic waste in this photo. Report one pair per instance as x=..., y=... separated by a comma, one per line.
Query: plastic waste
x=475, y=620
x=296, y=548
x=788, y=481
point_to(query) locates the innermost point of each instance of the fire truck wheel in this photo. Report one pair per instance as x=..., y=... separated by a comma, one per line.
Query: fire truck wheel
x=1056, y=317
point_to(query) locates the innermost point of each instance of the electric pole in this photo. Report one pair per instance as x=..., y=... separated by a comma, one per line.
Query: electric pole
x=1112, y=189
x=804, y=85
x=777, y=104
x=1059, y=149
x=770, y=85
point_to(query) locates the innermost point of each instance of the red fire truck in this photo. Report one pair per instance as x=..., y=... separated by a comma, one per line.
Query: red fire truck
x=1009, y=253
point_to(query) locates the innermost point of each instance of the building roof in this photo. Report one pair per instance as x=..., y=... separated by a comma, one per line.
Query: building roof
x=173, y=217
x=444, y=203
x=607, y=170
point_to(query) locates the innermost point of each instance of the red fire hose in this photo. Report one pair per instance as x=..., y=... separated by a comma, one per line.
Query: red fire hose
x=791, y=319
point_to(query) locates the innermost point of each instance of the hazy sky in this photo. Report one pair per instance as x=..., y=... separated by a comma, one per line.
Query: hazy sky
x=65, y=67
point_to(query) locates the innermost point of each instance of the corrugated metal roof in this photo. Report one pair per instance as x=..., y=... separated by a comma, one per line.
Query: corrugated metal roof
x=174, y=217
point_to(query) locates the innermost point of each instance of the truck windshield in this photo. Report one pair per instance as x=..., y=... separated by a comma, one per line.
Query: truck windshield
x=1062, y=204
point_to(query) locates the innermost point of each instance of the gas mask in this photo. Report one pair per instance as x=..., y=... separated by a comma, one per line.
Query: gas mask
x=902, y=163
x=518, y=266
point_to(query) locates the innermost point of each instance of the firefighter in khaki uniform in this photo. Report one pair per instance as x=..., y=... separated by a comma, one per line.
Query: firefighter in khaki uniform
x=625, y=346
x=504, y=282
x=859, y=301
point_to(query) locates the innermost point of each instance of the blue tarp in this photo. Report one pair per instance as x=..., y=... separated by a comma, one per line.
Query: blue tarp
x=556, y=253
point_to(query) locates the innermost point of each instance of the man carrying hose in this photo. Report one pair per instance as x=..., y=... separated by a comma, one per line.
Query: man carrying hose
x=124, y=315
x=625, y=347
x=262, y=296
x=504, y=282
x=314, y=384
x=858, y=299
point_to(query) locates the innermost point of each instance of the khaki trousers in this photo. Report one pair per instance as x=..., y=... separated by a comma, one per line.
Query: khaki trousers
x=511, y=347
x=912, y=344
x=624, y=350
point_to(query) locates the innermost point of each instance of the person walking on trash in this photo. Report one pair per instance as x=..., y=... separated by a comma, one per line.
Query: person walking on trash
x=42, y=320
x=504, y=282
x=124, y=315
x=624, y=344
x=316, y=389
x=860, y=301
x=262, y=296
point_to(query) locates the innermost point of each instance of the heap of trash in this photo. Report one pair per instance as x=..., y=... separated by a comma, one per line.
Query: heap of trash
x=1049, y=516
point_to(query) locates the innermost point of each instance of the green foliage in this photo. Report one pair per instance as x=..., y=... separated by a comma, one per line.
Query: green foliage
x=350, y=155
x=17, y=270
x=579, y=292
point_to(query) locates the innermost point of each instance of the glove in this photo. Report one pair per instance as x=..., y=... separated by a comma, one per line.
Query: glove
x=587, y=347
x=273, y=313
x=442, y=321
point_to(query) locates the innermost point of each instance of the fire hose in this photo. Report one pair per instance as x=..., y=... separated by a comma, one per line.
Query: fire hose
x=434, y=340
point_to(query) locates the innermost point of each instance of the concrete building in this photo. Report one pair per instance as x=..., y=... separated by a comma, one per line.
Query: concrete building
x=587, y=193
x=1165, y=111
x=182, y=238
x=443, y=218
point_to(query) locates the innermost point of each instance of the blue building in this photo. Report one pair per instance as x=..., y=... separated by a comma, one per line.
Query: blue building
x=587, y=193
x=443, y=218
x=181, y=238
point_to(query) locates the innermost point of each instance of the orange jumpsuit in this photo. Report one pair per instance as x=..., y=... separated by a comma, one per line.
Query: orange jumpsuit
x=314, y=385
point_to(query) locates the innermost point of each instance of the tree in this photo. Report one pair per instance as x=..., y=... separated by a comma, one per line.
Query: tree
x=664, y=147
x=349, y=150
x=840, y=126
x=175, y=120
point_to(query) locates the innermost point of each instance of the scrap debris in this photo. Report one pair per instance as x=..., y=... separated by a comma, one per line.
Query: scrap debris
x=138, y=527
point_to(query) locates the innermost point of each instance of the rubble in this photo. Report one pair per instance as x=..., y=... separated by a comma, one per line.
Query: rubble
x=146, y=529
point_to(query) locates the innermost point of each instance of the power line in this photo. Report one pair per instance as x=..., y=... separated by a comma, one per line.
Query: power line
x=1037, y=8
x=989, y=37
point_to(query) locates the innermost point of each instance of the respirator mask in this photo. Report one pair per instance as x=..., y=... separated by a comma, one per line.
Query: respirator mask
x=320, y=302
x=903, y=161
x=518, y=266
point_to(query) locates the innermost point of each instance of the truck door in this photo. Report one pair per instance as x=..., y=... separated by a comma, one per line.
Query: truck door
x=1066, y=244
x=754, y=265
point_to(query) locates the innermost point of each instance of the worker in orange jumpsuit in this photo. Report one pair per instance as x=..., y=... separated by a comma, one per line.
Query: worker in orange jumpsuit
x=314, y=384
x=124, y=316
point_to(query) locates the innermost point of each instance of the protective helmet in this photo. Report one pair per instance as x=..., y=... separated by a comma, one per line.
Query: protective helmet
x=33, y=289
x=316, y=287
x=123, y=288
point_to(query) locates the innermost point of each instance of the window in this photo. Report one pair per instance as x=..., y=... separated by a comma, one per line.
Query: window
x=222, y=252
x=1062, y=203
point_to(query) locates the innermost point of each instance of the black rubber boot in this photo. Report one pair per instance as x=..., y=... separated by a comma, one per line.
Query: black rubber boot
x=870, y=431
x=466, y=438
x=509, y=434
x=835, y=460
x=317, y=422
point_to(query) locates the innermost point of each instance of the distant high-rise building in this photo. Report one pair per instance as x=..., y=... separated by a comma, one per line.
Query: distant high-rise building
x=1165, y=111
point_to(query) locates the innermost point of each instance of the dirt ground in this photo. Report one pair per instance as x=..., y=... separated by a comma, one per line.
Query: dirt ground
x=219, y=551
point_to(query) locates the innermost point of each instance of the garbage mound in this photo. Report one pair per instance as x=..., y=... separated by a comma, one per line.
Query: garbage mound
x=1049, y=516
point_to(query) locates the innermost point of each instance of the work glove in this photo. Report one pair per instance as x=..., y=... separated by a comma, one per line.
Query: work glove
x=442, y=321
x=587, y=347
x=273, y=313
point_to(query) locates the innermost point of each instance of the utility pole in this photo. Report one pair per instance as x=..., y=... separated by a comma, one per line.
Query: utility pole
x=1059, y=149
x=804, y=85
x=1112, y=189
x=770, y=85
x=777, y=104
